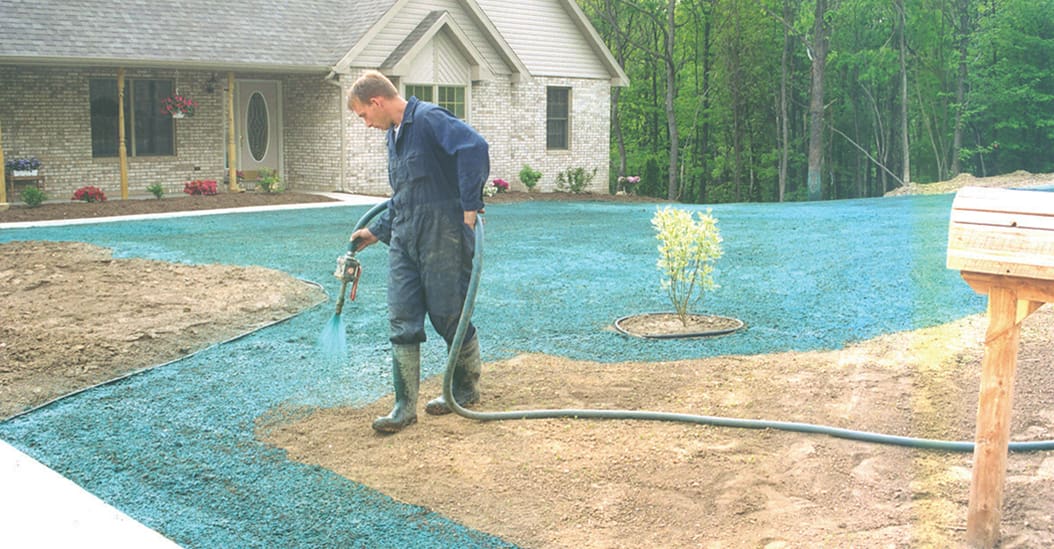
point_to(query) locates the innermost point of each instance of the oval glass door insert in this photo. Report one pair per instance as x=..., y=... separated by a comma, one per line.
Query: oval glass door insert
x=256, y=126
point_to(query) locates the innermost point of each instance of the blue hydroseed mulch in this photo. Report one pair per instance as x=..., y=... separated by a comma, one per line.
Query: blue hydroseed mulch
x=174, y=447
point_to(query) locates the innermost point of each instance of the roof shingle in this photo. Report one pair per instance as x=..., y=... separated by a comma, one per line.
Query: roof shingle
x=305, y=34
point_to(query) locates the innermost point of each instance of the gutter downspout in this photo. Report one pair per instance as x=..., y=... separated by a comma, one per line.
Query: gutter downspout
x=333, y=79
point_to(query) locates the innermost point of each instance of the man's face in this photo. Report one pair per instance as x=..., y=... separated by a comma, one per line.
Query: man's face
x=372, y=113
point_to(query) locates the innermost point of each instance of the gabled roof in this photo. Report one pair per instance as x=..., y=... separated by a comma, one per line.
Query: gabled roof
x=618, y=75
x=399, y=62
x=298, y=35
x=307, y=35
x=490, y=32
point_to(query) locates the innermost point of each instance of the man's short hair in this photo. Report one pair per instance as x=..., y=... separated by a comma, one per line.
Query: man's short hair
x=372, y=84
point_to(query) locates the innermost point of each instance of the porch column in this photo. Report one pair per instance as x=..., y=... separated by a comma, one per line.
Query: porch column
x=122, y=151
x=3, y=184
x=232, y=158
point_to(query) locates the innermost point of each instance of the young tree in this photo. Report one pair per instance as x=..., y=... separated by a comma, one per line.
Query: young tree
x=688, y=249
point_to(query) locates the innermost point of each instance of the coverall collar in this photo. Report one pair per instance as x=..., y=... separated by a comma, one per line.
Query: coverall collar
x=408, y=118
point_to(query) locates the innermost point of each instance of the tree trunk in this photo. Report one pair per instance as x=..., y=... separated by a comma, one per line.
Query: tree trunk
x=963, y=31
x=819, y=61
x=905, y=144
x=784, y=122
x=671, y=96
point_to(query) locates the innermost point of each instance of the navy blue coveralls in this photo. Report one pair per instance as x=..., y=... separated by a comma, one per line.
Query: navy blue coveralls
x=437, y=166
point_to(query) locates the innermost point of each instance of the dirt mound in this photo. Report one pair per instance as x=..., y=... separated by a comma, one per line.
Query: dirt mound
x=1018, y=179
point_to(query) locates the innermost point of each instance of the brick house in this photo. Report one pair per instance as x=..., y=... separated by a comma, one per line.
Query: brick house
x=533, y=77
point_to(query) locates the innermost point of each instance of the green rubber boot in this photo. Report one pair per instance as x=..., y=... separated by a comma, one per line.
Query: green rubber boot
x=406, y=374
x=466, y=380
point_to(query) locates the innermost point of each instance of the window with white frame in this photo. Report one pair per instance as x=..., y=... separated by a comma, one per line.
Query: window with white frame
x=147, y=130
x=557, y=118
x=451, y=98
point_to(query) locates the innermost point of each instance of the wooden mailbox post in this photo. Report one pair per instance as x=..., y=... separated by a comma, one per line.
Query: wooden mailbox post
x=1003, y=243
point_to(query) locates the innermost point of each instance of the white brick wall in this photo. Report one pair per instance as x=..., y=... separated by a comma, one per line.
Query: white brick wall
x=590, y=132
x=512, y=118
x=45, y=112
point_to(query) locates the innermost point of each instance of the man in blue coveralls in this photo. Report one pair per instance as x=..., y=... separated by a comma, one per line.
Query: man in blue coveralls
x=437, y=166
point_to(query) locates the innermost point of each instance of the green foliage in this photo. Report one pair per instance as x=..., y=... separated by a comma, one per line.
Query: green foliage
x=1012, y=106
x=33, y=196
x=731, y=57
x=575, y=180
x=688, y=248
x=529, y=177
x=157, y=190
x=269, y=181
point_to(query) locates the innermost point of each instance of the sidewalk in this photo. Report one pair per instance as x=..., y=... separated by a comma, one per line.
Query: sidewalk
x=41, y=508
x=340, y=199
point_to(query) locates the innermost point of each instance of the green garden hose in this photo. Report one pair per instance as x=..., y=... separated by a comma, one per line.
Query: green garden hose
x=864, y=436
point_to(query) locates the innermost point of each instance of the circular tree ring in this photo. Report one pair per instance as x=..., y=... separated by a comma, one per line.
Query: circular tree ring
x=669, y=325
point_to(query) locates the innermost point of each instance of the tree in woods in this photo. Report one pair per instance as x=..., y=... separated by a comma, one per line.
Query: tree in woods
x=772, y=100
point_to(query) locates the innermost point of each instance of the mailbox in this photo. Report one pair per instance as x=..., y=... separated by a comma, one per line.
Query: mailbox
x=1002, y=241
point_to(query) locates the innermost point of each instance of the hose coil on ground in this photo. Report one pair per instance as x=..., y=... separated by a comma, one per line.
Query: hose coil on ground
x=864, y=436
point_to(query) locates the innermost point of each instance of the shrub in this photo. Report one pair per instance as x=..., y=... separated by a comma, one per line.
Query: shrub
x=687, y=252
x=575, y=180
x=157, y=190
x=206, y=187
x=89, y=194
x=269, y=181
x=33, y=196
x=529, y=177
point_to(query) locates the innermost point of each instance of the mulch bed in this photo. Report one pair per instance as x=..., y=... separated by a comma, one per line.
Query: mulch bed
x=136, y=206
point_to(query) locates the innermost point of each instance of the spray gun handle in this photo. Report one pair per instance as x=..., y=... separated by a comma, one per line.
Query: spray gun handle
x=353, y=246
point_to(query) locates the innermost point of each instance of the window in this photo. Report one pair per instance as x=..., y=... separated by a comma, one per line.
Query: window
x=424, y=93
x=451, y=98
x=557, y=117
x=147, y=131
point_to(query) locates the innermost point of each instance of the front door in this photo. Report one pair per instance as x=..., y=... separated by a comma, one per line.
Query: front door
x=258, y=132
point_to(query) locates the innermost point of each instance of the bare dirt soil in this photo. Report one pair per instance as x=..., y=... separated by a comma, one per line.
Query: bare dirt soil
x=567, y=483
x=1018, y=179
x=73, y=316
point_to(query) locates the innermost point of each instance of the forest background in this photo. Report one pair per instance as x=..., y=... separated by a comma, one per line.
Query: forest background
x=784, y=100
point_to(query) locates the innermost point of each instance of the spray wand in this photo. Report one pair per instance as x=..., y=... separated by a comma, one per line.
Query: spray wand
x=349, y=270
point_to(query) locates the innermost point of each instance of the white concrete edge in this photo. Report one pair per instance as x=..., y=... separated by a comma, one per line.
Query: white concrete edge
x=41, y=508
x=341, y=199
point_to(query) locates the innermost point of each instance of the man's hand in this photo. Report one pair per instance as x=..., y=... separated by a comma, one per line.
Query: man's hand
x=364, y=238
x=470, y=218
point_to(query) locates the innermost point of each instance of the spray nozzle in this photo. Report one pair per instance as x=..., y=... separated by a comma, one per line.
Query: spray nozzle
x=348, y=271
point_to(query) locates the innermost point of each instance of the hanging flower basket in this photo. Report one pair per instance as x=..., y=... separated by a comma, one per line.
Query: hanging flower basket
x=178, y=106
